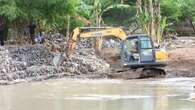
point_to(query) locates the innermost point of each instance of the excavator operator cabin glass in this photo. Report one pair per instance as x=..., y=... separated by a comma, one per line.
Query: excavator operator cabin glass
x=146, y=49
x=145, y=43
x=131, y=45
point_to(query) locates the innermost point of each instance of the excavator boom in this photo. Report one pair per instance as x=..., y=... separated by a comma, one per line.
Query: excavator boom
x=96, y=33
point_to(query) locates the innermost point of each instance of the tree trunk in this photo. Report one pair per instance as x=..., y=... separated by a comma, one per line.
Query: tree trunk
x=191, y=23
x=68, y=27
x=139, y=6
x=152, y=20
x=145, y=6
x=97, y=12
x=98, y=21
x=122, y=1
x=157, y=20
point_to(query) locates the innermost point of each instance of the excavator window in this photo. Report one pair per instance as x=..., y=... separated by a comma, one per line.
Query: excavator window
x=146, y=43
x=131, y=50
x=132, y=45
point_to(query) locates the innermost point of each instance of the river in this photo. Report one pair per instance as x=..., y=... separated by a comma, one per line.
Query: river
x=74, y=94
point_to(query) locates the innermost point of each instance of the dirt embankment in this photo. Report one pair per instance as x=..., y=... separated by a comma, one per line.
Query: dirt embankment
x=181, y=57
x=181, y=63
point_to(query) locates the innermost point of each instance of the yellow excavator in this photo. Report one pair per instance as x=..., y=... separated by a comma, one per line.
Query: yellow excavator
x=98, y=33
x=136, y=51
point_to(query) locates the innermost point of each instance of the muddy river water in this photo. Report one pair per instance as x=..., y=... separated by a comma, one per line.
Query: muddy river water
x=69, y=94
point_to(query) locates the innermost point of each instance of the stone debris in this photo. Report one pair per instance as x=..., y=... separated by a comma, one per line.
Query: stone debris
x=32, y=55
x=56, y=38
x=58, y=59
x=56, y=42
x=35, y=62
x=86, y=43
x=86, y=62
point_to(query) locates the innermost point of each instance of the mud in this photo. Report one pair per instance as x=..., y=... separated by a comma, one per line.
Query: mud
x=181, y=63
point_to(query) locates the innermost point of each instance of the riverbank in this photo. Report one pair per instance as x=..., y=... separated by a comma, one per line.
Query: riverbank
x=29, y=63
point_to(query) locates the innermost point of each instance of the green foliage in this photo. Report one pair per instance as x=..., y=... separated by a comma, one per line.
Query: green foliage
x=9, y=9
x=50, y=13
x=171, y=9
x=143, y=20
x=53, y=14
x=176, y=10
x=119, y=15
x=96, y=8
x=187, y=9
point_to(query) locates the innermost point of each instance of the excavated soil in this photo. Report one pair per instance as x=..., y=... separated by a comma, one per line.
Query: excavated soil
x=181, y=63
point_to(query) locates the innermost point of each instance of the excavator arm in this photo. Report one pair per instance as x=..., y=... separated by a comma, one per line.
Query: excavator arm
x=96, y=33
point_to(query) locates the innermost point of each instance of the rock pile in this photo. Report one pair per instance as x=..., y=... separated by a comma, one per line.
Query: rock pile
x=86, y=62
x=56, y=42
x=35, y=63
x=26, y=62
x=8, y=66
x=32, y=55
x=85, y=43
x=56, y=38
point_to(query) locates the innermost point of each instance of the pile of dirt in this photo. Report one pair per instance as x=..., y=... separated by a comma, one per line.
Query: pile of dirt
x=181, y=63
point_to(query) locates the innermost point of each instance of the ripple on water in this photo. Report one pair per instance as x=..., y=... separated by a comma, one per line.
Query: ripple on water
x=106, y=97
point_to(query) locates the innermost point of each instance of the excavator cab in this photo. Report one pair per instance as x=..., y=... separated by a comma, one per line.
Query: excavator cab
x=138, y=51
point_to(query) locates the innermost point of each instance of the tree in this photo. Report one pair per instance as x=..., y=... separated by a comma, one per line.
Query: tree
x=178, y=10
x=150, y=18
x=50, y=14
x=97, y=8
x=9, y=9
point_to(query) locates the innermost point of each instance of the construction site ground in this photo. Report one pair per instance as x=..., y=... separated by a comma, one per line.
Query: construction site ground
x=36, y=63
x=181, y=63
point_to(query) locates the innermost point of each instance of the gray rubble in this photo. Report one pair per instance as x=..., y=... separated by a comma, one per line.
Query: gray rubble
x=86, y=62
x=35, y=62
x=32, y=55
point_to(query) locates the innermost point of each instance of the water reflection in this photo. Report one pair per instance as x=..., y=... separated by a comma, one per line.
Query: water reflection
x=66, y=94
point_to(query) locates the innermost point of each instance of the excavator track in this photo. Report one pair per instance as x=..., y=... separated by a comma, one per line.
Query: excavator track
x=139, y=73
x=152, y=72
